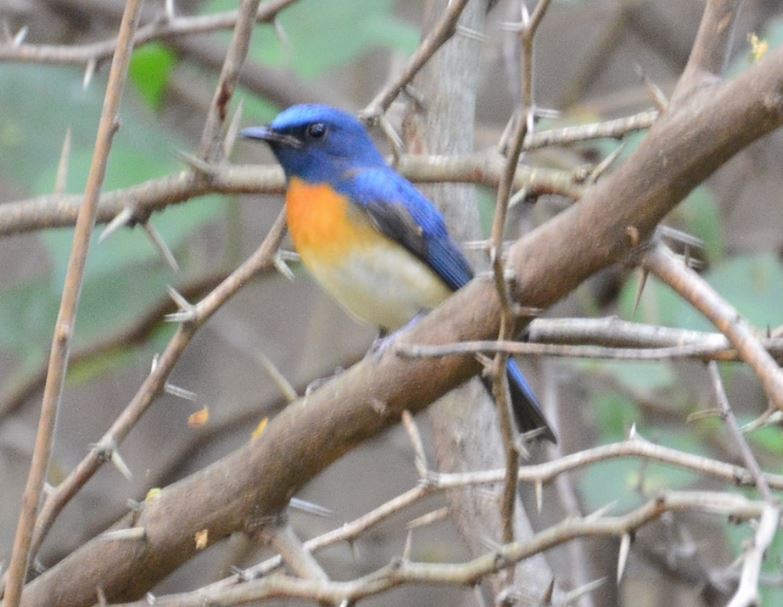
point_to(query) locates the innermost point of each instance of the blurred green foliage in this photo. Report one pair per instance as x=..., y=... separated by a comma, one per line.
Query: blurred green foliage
x=150, y=69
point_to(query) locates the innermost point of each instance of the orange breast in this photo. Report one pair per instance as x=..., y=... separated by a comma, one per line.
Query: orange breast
x=323, y=224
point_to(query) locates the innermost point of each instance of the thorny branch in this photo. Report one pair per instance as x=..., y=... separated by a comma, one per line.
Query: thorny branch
x=664, y=265
x=545, y=473
x=193, y=319
x=500, y=391
x=468, y=573
x=160, y=28
x=439, y=35
x=69, y=304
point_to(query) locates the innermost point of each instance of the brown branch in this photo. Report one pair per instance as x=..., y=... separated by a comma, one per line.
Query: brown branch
x=69, y=304
x=610, y=129
x=158, y=29
x=210, y=147
x=700, y=350
x=682, y=149
x=471, y=572
x=500, y=389
x=710, y=50
x=534, y=474
x=665, y=265
x=53, y=210
x=436, y=38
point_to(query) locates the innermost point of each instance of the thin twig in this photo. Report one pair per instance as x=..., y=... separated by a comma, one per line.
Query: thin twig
x=294, y=554
x=610, y=129
x=508, y=318
x=158, y=29
x=710, y=51
x=663, y=264
x=707, y=349
x=55, y=210
x=210, y=146
x=748, y=590
x=437, y=37
x=538, y=474
x=69, y=304
x=471, y=572
x=731, y=421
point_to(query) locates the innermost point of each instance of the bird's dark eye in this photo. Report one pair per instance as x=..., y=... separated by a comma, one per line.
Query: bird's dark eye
x=316, y=130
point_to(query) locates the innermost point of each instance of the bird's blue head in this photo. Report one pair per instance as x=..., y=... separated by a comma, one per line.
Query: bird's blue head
x=317, y=142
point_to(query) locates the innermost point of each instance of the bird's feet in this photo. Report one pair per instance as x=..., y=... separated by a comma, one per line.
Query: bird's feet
x=384, y=341
x=317, y=383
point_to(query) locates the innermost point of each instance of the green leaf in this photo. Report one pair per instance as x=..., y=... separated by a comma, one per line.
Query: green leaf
x=150, y=69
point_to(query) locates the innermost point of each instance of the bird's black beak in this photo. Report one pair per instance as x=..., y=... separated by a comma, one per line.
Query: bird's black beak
x=264, y=133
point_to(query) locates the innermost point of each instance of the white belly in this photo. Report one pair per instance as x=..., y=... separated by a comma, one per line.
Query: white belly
x=383, y=286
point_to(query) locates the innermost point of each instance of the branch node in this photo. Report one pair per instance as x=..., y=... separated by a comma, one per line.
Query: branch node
x=188, y=313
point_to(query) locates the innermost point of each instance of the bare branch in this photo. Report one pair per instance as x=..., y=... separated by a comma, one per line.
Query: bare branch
x=748, y=591
x=661, y=262
x=611, y=129
x=471, y=572
x=731, y=421
x=69, y=304
x=711, y=48
x=54, y=210
x=158, y=29
x=706, y=349
x=439, y=35
x=210, y=146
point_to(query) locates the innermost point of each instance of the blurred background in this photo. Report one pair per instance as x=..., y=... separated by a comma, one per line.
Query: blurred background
x=341, y=51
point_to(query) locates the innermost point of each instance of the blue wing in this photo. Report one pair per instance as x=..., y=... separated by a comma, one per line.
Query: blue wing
x=406, y=216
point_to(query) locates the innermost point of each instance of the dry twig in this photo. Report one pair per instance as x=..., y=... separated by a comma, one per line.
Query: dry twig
x=66, y=317
x=471, y=572
x=663, y=264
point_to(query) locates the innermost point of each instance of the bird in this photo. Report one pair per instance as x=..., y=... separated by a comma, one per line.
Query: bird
x=367, y=236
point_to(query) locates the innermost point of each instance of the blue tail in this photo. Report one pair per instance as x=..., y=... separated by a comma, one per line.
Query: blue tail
x=524, y=404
